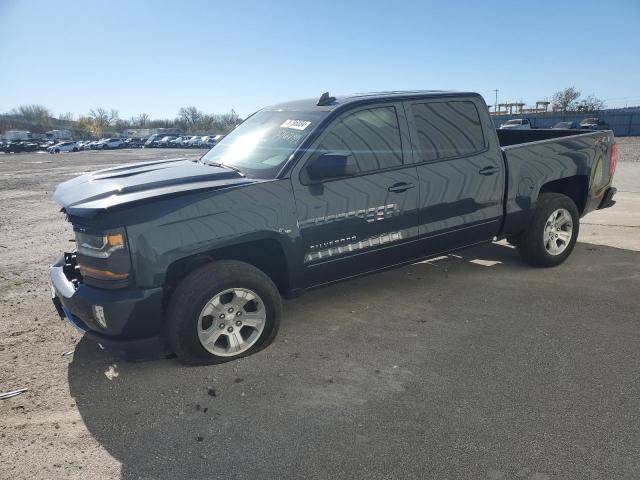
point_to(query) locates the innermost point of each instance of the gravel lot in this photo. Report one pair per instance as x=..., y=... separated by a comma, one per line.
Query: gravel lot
x=629, y=149
x=453, y=368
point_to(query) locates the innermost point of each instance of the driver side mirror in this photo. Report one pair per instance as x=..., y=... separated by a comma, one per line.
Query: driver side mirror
x=331, y=165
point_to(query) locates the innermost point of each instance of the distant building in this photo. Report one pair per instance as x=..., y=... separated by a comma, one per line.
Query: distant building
x=17, y=135
x=147, y=132
x=58, y=135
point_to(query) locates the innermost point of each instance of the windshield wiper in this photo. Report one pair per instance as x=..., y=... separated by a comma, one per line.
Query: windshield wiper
x=222, y=165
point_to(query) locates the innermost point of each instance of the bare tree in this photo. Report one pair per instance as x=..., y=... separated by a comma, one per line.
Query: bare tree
x=67, y=117
x=161, y=123
x=100, y=117
x=225, y=122
x=590, y=104
x=101, y=121
x=33, y=113
x=189, y=117
x=205, y=123
x=114, y=116
x=88, y=124
x=565, y=99
x=141, y=120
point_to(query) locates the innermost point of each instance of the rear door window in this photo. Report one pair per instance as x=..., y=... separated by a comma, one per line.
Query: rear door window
x=447, y=129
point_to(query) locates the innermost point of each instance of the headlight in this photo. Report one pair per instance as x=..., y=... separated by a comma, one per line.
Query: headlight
x=99, y=246
x=103, y=257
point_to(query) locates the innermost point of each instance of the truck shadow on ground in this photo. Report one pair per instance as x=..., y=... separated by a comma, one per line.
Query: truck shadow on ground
x=395, y=375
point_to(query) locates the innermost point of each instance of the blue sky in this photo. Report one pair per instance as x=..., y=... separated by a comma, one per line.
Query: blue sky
x=154, y=57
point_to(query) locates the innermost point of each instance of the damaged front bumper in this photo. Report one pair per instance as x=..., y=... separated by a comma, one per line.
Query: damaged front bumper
x=133, y=318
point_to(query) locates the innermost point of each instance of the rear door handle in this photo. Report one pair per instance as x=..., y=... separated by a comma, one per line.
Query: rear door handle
x=400, y=187
x=488, y=171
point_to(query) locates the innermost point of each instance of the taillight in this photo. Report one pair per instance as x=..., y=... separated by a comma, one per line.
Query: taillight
x=614, y=159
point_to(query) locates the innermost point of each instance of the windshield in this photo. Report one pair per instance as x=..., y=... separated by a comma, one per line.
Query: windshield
x=263, y=143
x=514, y=122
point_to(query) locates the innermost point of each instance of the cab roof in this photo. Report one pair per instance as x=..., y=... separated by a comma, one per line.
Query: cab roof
x=310, y=104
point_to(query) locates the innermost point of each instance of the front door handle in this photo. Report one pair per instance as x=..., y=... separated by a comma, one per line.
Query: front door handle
x=488, y=171
x=400, y=187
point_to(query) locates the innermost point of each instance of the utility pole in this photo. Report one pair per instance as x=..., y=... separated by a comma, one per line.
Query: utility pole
x=495, y=105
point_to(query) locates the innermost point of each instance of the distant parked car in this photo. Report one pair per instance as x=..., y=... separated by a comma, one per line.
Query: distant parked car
x=160, y=140
x=109, y=143
x=164, y=141
x=567, y=125
x=179, y=142
x=516, y=124
x=46, y=144
x=94, y=144
x=208, y=141
x=194, y=142
x=153, y=140
x=82, y=144
x=594, y=124
x=132, y=142
x=63, y=147
x=19, y=146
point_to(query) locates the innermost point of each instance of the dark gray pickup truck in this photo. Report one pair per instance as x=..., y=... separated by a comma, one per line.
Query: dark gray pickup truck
x=194, y=256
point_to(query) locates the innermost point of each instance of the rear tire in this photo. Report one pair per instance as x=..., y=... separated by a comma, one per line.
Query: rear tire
x=552, y=233
x=206, y=312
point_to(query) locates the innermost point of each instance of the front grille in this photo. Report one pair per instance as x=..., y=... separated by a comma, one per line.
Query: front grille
x=71, y=269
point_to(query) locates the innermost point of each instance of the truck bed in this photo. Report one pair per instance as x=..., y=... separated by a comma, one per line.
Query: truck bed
x=533, y=158
x=515, y=137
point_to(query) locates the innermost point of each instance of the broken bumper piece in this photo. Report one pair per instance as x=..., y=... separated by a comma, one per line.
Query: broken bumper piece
x=133, y=317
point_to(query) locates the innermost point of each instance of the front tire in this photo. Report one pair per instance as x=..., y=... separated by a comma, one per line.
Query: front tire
x=222, y=311
x=553, y=231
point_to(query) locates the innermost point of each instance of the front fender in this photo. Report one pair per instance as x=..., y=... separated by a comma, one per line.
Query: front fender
x=253, y=212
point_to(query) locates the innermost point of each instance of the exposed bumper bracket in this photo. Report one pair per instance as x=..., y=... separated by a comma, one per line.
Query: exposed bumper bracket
x=607, y=200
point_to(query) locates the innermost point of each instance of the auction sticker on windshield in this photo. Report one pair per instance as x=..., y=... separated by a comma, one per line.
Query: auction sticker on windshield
x=295, y=124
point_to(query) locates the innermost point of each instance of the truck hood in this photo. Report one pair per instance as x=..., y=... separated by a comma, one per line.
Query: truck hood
x=92, y=193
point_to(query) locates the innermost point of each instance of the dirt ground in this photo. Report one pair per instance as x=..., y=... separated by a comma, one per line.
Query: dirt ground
x=33, y=232
x=491, y=370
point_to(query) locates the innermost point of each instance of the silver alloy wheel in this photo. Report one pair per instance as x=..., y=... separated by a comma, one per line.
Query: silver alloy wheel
x=231, y=322
x=558, y=231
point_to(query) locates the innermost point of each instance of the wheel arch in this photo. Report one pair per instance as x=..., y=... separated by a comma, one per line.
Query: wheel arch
x=266, y=254
x=575, y=187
